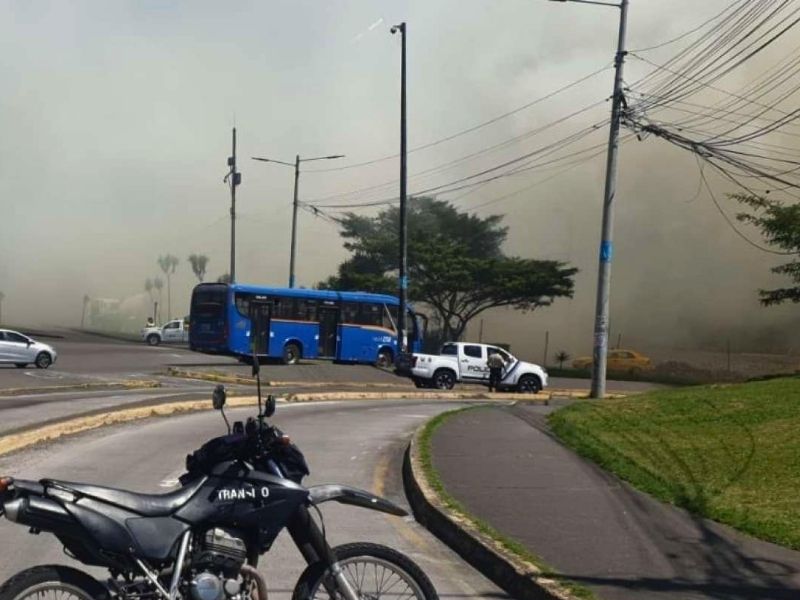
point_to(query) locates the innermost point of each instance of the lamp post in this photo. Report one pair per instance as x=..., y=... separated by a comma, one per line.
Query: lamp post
x=403, y=250
x=600, y=341
x=296, y=166
x=233, y=178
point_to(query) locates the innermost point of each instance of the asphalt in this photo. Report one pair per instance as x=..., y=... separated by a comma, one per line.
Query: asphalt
x=354, y=443
x=504, y=466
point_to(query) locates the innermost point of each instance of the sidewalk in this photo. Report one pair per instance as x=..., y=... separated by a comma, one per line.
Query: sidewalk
x=504, y=467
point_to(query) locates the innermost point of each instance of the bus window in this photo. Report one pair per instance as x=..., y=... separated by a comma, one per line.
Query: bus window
x=243, y=304
x=371, y=314
x=306, y=310
x=283, y=308
x=390, y=317
x=349, y=312
x=208, y=303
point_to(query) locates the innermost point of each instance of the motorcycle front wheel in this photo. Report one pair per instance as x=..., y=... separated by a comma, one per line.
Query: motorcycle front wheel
x=52, y=582
x=375, y=572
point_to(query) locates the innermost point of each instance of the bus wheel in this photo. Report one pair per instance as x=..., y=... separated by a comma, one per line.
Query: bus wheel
x=291, y=354
x=384, y=360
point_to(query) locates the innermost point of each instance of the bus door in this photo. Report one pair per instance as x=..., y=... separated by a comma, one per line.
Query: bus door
x=328, y=330
x=260, y=312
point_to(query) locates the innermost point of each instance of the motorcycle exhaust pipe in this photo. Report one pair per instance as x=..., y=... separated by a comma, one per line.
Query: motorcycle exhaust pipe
x=41, y=513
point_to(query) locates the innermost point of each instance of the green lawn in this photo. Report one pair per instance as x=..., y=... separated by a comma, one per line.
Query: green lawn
x=727, y=452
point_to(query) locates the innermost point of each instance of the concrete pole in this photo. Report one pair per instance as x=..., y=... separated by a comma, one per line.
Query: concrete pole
x=293, y=251
x=600, y=347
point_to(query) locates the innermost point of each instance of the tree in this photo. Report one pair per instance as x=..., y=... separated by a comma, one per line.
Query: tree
x=224, y=278
x=456, y=264
x=562, y=357
x=168, y=263
x=780, y=226
x=199, y=263
x=158, y=284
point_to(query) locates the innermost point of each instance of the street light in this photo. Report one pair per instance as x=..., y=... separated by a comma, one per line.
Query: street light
x=403, y=251
x=600, y=342
x=296, y=166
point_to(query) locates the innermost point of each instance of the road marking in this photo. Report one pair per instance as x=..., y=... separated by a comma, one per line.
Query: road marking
x=415, y=416
x=407, y=529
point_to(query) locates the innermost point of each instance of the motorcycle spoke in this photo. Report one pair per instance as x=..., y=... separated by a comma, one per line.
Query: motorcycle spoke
x=375, y=579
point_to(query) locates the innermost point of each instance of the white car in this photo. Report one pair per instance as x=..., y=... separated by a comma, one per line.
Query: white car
x=21, y=350
x=463, y=362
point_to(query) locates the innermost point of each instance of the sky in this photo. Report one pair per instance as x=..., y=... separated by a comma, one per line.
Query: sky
x=117, y=117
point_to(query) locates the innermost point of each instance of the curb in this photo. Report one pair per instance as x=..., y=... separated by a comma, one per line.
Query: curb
x=29, y=437
x=237, y=379
x=77, y=387
x=415, y=395
x=518, y=578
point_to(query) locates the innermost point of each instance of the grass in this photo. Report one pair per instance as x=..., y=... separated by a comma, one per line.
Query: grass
x=453, y=505
x=726, y=452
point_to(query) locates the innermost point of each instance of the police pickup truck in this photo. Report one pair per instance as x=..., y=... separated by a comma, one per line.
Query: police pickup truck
x=463, y=362
x=173, y=332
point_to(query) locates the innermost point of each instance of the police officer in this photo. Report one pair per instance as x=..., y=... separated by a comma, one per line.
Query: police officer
x=496, y=364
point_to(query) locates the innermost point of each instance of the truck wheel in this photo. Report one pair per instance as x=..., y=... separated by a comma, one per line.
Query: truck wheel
x=529, y=384
x=153, y=339
x=291, y=354
x=444, y=379
x=420, y=383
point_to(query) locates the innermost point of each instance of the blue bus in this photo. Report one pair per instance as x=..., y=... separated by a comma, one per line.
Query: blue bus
x=297, y=323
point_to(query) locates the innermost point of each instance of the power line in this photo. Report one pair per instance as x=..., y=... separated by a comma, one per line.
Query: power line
x=469, y=129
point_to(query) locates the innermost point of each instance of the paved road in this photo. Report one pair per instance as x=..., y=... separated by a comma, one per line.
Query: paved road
x=358, y=443
x=591, y=527
x=88, y=358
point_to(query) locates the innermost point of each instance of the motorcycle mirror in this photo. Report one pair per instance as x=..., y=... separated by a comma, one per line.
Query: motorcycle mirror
x=269, y=406
x=218, y=397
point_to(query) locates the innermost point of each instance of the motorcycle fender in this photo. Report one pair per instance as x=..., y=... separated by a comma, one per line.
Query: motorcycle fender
x=354, y=496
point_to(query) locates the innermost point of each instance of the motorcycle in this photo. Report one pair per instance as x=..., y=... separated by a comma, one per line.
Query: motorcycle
x=203, y=540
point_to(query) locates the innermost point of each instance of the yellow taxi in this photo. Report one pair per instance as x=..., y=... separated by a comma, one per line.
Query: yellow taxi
x=627, y=361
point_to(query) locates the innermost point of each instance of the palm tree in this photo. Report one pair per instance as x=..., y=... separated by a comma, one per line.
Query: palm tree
x=562, y=357
x=158, y=284
x=168, y=262
x=199, y=263
x=224, y=278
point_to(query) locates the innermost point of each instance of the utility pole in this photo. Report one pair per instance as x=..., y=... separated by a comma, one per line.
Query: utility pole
x=293, y=250
x=234, y=178
x=600, y=341
x=295, y=202
x=403, y=266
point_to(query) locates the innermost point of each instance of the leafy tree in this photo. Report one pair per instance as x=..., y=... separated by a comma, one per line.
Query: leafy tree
x=158, y=285
x=168, y=263
x=456, y=264
x=562, y=356
x=780, y=225
x=224, y=278
x=199, y=263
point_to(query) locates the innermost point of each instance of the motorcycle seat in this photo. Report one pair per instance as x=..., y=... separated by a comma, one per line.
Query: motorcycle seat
x=147, y=505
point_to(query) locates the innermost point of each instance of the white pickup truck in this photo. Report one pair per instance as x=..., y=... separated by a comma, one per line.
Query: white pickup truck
x=173, y=332
x=462, y=362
